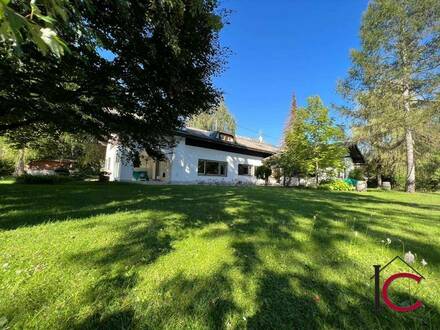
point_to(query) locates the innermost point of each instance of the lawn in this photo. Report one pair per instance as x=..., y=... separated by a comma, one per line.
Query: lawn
x=90, y=255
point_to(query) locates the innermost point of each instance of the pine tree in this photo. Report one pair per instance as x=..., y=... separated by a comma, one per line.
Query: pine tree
x=290, y=117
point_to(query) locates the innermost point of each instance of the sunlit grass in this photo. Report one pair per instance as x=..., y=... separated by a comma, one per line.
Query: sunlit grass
x=130, y=256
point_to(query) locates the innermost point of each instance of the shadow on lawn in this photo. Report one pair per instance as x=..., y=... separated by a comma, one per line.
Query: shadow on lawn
x=248, y=213
x=102, y=297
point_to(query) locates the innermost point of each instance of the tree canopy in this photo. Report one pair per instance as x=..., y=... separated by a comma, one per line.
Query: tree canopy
x=394, y=80
x=312, y=142
x=218, y=119
x=134, y=69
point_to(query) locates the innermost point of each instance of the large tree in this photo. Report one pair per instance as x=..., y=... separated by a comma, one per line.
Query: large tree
x=135, y=69
x=218, y=119
x=313, y=143
x=394, y=80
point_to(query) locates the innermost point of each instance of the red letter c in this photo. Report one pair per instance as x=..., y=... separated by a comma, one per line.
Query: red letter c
x=388, y=301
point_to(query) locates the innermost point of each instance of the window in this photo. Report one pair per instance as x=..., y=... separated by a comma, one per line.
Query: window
x=226, y=137
x=244, y=169
x=211, y=167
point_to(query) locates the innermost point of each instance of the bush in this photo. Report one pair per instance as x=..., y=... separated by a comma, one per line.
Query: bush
x=104, y=176
x=263, y=172
x=327, y=181
x=42, y=179
x=337, y=185
x=6, y=167
x=357, y=174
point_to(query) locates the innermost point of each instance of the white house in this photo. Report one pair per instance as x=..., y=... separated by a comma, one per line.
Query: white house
x=199, y=156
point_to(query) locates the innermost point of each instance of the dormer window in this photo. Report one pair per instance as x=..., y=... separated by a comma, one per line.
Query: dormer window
x=226, y=137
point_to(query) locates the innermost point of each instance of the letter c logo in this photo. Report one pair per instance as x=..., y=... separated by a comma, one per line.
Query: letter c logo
x=388, y=301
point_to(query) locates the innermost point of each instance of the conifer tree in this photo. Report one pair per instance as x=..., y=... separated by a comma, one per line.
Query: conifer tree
x=394, y=80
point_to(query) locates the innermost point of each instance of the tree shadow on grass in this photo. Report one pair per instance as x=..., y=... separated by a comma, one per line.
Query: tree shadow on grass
x=142, y=243
x=254, y=218
x=105, y=297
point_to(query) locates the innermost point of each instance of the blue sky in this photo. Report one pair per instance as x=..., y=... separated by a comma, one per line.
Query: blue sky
x=285, y=46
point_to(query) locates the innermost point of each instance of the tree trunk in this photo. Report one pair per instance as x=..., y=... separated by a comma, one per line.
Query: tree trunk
x=317, y=174
x=410, y=164
x=379, y=180
x=379, y=175
x=19, y=167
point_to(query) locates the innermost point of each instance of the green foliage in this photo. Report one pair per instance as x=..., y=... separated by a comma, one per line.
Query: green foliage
x=430, y=173
x=6, y=167
x=393, y=82
x=337, y=185
x=42, y=179
x=263, y=172
x=218, y=119
x=357, y=173
x=84, y=149
x=313, y=142
x=135, y=69
x=34, y=21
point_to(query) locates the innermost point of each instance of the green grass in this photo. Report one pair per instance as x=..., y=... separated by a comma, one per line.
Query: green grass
x=91, y=255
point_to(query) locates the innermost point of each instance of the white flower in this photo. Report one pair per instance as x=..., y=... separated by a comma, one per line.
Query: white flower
x=409, y=258
x=388, y=241
x=356, y=233
x=424, y=263
x=47, y=34
x=50, y=38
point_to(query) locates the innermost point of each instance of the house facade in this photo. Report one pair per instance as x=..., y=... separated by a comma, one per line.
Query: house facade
x=198, y=156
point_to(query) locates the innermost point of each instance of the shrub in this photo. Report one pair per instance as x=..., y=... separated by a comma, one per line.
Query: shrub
x=42, y=179
x=327, y=181
x=263, y=172
x=104, y=176
x=357, y=174
x=338, y=185
x=6, y=167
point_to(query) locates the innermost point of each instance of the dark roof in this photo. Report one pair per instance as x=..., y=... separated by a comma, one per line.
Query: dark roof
x=240, y=144
x=210, y=139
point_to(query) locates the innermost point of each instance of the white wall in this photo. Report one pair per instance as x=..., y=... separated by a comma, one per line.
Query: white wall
x=184, y=163
x=119, y=169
